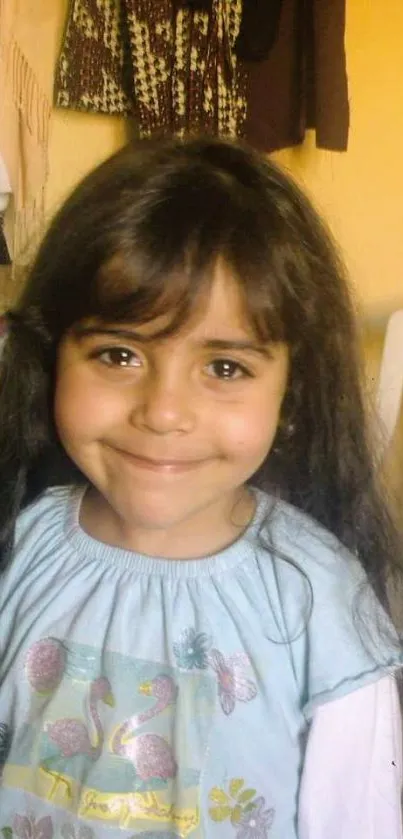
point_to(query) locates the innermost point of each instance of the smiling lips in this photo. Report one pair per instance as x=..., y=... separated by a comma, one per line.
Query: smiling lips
x=164, y=466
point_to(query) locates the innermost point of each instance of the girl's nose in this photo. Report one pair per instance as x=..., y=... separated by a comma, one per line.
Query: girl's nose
x=163, y=407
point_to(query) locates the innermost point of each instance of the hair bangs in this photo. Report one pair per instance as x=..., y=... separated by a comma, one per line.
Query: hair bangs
x=140, y=291
x=263, y=296
x=164, y=263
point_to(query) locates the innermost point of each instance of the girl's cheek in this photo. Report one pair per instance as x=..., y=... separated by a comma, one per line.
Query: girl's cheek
x=248, y=435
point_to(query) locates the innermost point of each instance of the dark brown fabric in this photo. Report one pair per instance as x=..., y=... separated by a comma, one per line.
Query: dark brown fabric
x=201, y=5
x=172, y=66
x=259, y=29
x=303, y=82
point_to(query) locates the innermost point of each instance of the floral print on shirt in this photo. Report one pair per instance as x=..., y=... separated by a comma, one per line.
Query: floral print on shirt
x=248, y=814
x=193, y=651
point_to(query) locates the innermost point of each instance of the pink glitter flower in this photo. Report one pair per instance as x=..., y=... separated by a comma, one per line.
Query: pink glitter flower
x=44, y=664
x=233, y=684
x=26, y=827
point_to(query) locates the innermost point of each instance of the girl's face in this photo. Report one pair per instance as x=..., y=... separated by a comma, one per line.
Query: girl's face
x=168, y=430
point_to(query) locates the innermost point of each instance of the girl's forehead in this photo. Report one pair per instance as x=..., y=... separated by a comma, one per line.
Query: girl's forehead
x=219, y=305
x=222, y=306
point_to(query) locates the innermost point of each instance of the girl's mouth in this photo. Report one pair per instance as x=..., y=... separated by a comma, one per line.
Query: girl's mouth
x=167, y=466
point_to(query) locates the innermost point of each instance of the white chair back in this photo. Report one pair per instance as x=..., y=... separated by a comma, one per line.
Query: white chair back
x=390, y=386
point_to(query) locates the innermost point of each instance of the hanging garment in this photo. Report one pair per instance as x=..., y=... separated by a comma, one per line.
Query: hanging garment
x=25, y=105
x=91, y=74
x=302, y=83
x=264, y=71
x=208, y=80
x=259, y=29
x=169, y=63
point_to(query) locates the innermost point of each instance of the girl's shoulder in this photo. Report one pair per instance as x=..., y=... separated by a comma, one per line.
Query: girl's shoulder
x=309, y=565
x=332, y=617
x=39, y=541
x=295, y=534
x=44, y=518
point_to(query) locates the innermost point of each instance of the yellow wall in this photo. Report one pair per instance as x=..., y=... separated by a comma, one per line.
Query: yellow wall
x=360, y=191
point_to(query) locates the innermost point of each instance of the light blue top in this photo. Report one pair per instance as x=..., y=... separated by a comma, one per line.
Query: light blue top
x=171, y=698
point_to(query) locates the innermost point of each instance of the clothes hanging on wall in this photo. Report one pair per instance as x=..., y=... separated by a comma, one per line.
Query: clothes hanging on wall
x=302, y=83
x=266, y=71
x=25, y=106
x=170, y=64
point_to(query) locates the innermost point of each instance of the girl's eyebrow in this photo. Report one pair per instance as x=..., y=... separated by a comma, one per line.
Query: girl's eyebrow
x=263, y=349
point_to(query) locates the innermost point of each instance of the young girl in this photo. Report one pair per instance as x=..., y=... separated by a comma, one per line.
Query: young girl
x=194, y=637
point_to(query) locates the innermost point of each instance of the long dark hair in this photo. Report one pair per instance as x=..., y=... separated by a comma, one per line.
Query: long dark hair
x=139, y=237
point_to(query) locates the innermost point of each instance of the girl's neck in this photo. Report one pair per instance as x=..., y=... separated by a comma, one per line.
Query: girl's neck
x=212, y=531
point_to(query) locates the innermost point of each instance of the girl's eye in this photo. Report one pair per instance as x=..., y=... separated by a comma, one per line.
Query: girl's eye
x=225, y=368
x=117, y=357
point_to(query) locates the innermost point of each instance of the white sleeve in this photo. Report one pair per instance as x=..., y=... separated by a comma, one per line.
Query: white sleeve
x=352, y=777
